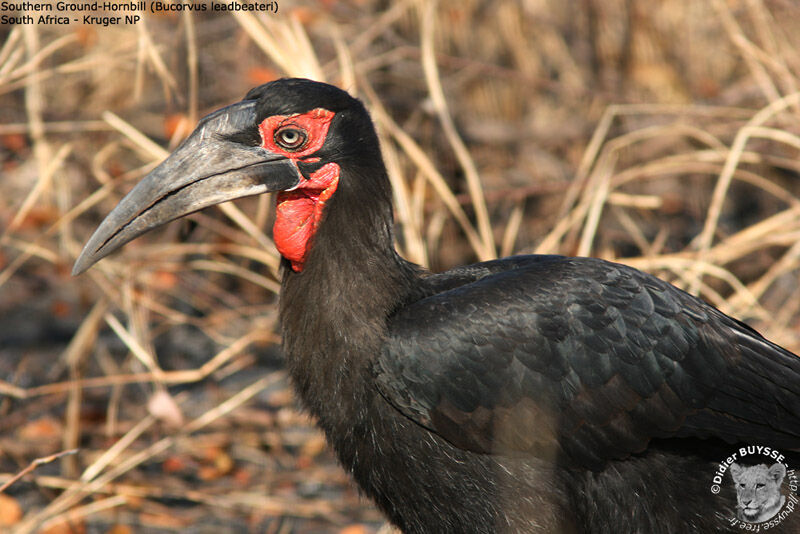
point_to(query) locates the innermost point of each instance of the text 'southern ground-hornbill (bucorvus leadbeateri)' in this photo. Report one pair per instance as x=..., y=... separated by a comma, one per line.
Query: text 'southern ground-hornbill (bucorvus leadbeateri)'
x=526, y=394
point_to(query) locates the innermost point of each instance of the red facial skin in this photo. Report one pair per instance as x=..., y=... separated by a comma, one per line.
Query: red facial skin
x=299, y=211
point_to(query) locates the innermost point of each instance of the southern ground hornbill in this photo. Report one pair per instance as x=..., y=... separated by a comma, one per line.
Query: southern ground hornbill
x=527, y=394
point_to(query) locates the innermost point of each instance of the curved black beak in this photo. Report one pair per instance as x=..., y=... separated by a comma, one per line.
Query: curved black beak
x=210, y=167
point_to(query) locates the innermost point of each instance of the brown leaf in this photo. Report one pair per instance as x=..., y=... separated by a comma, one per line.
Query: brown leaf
x=173, y=464
x=65, y=527
x=303, y=15
x=41, y=429
x=314, y=445
x=221, y=460
x=259, y=75
x=208, y=472
x=39, y=217
x=354, y=529
x=242, y=477
x=176, y=123
x=163, y=280
x=223, y=463
x=10, y=510
x=60, y=308
x=13, y=142
x=162, y=406
x=150, y=520
x=86, y=36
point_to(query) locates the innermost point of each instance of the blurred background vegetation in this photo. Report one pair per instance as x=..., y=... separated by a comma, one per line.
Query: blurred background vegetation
x=659, y=133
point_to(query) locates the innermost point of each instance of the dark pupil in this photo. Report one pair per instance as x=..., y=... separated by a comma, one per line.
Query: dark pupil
x=291, y=138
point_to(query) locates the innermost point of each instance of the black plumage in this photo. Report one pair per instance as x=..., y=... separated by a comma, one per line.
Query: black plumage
x=528, y=394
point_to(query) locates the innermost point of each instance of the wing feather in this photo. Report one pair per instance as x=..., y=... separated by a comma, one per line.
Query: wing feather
x=582, y=359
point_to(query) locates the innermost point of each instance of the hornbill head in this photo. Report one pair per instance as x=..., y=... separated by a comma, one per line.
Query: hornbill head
x=290, y=136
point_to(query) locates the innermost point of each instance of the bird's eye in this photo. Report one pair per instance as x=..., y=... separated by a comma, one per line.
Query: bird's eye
x=291, y=138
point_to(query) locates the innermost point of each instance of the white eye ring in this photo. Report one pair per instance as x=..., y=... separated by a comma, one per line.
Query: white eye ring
x=290, y=138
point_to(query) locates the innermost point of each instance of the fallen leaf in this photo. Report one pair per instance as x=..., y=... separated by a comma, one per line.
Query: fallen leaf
x=65, y=527
x=13, y=142
x=41, y=429
x=242, y=477
x=10, y=510
x=163, y=407
x=303, y=15
x=314, y=445
x=163, y=280
x=176, y=123
x=211, y=452
x=208, y=472
x=259, y=75
x=223, y=463
x=221, y=460
x=173, y=464
x=86, y=36
x=354, y=529
x=150, y=520
x=39, y=217
x=60, y=308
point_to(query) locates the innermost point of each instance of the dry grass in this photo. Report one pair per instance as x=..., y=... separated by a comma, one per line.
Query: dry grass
x=661, y=134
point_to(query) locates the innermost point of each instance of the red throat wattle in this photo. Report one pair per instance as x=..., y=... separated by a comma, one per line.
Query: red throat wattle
x=299, y=212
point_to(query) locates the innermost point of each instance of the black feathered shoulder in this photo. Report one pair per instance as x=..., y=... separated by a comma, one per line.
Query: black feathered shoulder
x=583, y=361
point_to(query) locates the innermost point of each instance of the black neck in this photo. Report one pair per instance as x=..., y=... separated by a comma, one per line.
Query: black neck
x=334, y=312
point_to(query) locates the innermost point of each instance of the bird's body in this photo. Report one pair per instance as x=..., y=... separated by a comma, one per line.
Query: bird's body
x=370, y=393
x=529, y=394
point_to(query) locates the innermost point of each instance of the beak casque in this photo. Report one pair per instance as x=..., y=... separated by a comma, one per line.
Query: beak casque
x=208, y=168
